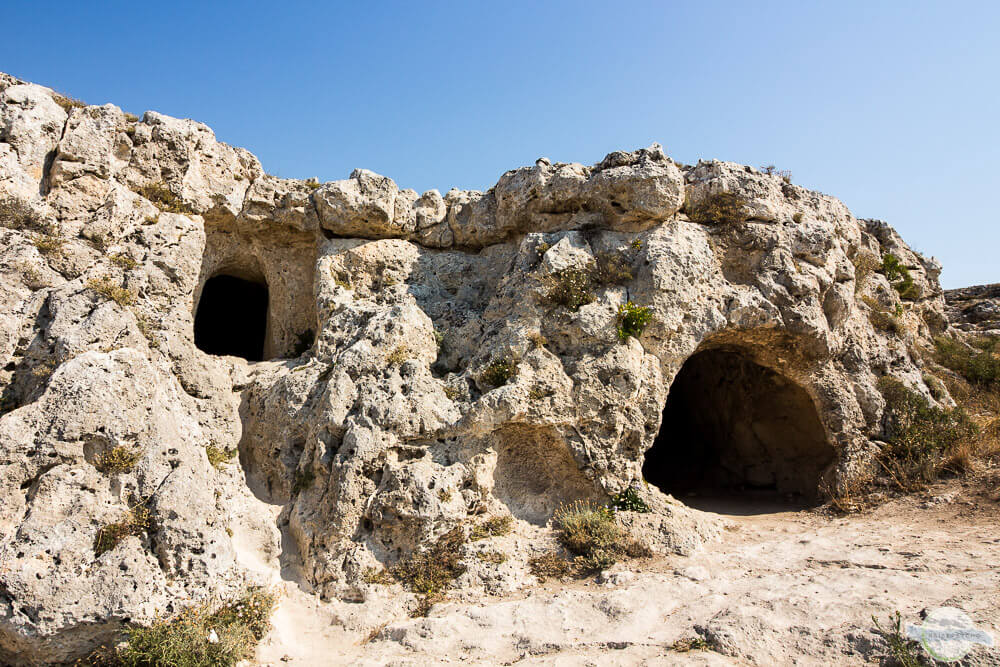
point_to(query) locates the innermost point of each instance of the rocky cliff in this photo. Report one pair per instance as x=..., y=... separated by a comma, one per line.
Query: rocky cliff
x=418, y=362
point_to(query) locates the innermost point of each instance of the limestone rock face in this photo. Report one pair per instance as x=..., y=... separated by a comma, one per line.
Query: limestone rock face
x=376, y=420
x=975, y=309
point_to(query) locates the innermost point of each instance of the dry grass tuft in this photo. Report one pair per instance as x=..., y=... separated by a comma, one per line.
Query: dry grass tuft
x=164, y=199
x=719, y=208
x=206, y=635
x=107, y=287
x=68, y=103
x=549, y=565
x=591, y=532
x=493, y=527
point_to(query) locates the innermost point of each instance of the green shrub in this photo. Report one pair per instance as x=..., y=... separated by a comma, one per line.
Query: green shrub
x=164, y=199
x=186, y=640
x=629, y=501
x=428, y=573
x=979, y=364
x=591, y=533
x=499, y=371
x=135, y=522
x=219, y=456
x=492, y=527
x=571, y=287
x=632, y=320
x=899, y=276
x=919, y=435
x=719, y=208
x=118, y=459
x=109, y=289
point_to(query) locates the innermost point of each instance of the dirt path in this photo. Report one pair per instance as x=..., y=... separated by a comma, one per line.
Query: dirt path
x=781, y=587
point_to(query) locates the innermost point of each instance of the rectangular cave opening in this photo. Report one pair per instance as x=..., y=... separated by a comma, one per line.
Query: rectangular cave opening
x=232, y=317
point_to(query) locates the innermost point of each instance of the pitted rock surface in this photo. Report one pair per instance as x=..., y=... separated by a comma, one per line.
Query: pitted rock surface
x=370, y=426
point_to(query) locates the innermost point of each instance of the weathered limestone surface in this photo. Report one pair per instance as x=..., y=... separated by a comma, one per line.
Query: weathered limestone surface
x=975, y=309
x=383, y=434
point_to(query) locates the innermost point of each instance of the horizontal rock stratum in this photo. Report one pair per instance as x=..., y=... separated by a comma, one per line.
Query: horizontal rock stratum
x=413, y=362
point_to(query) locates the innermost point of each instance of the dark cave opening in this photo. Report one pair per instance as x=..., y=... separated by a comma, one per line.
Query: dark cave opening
x=734, y=428
x=232, y=318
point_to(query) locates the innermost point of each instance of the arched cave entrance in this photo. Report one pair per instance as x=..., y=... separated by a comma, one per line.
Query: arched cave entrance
x=232, y=317
x=732, y=426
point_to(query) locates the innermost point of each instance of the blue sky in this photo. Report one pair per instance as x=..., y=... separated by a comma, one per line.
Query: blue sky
x=891, y=106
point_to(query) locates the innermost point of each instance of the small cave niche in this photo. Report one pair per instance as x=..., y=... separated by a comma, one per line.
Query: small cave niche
x=734, y=429
x=232, y=317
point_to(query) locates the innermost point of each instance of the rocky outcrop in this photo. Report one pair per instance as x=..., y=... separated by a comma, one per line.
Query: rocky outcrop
x=422, y=366
x=975, y=309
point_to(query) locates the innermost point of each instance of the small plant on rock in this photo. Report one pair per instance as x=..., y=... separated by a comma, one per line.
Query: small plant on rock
x=571, y=287
x=549, y=564
x=493, y=527
x=864, y=265
x=614, y=267
x=205, y=635
x=219, y=456
x=123, y=261
x=884, y=320
x=67, y=103
x=398, y=356
x=632, y=320
x=377, y=576
x=628, y=500
x=499, y=371
x=109, y=289
x=118, y=459
x=164, y=199
x=899, y=276
x=50, y=246
x=17, y=214
x=689, y=644
x=592, y=533
x=428, y=573
x=135, y=522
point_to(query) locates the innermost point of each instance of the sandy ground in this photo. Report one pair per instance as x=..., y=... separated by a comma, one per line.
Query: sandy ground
x=783, y=586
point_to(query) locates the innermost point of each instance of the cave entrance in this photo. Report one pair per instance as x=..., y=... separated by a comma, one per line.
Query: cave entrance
x=737, y=436
x=232, y=317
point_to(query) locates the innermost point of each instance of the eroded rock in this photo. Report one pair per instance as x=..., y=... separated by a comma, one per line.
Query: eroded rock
x=378, y=420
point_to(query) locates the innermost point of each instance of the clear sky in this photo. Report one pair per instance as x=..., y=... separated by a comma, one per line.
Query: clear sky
x=891, y=106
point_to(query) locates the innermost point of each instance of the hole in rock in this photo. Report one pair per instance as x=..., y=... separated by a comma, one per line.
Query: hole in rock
x=737, y=436
x=232, y=318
